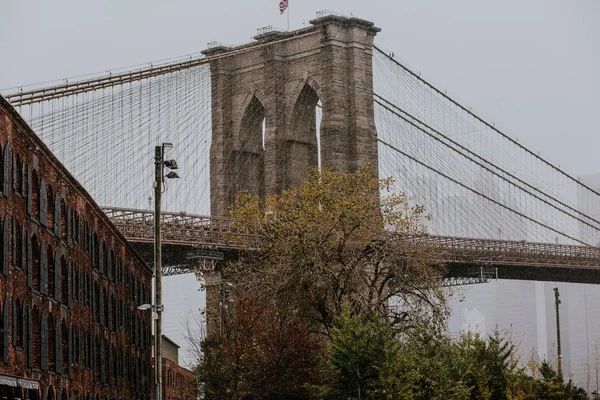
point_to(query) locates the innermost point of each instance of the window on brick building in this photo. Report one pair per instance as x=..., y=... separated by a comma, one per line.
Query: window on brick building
x=34, y=194
x=17, y=244
x=63, y=220
x=4, y=330
x=102, y=256
x=27, y=324
x=49, y=206
x=6, y=171
x=58, y=227
x=66, y=280
x=109, y=263
x=62, y=347
x=87, y=292
x=51, y=346
x=75, y=283
x=43, y=202
x=45, y=254
x=101, y=305
x=33, y=263
x=34, y=347
x=60, y=268
x=44, y=342
x=18, y=324
x=24, y=238
x=5, y=245
x=26, y=182
x=119, y=269
x=96, y=355
x=67, y=348
x=95, y=300
x=102, y=366
x=51, y=257
x=17, y=173
x=109, y=310
x=95, y=253
x=76, y=227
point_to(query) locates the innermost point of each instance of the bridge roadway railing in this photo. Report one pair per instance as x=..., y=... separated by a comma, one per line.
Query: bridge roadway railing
x=216, y=232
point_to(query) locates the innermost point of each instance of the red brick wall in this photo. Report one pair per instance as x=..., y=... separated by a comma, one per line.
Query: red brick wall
x=178, y=382
x=105, y=357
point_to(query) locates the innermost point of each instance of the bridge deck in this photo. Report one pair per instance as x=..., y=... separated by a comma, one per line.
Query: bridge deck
x=205, y=231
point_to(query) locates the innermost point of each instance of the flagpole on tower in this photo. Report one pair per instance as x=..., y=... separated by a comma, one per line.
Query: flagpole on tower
x=284, y=5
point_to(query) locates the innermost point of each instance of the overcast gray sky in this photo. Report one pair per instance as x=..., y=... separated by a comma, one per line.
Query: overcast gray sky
x=532, y=67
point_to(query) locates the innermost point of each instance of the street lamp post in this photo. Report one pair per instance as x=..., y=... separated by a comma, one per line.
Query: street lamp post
x=159, y=165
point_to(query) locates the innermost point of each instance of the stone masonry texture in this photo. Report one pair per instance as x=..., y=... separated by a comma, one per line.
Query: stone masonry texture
x=280, y=78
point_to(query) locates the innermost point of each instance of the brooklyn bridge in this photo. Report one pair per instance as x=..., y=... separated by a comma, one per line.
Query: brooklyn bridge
x=257, y=116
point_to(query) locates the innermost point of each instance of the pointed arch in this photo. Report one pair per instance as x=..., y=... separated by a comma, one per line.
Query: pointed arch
x=301, y=152
x=248, y=174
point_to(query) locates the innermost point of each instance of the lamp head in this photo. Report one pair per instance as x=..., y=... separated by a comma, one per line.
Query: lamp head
x=171, y=164
x=172, y=175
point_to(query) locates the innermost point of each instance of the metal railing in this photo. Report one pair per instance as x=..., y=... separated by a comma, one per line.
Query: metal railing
x=216, y=232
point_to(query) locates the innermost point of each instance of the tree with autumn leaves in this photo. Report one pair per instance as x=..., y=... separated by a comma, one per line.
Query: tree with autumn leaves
x=335, y=242
x=340, y=298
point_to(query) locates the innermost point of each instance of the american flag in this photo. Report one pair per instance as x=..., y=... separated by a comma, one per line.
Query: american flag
x=283, y=5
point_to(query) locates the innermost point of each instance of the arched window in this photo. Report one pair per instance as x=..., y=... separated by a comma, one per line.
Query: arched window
x=6, y=170
x=44, y=342
x=75, y=283
x=95, y=253
x=2, y=163
x=50, y=206
x=57, y=215
x=35, y=342
x=24, y=239
x=51, y=271
x=50, y=395
x=44, y=267
x=33, y=263
x=60, y=267
x=63, y=219
x=52, y=343
x=101, y=256
x=43, y=202
x=17, y=173
x=97, y=355
x=96, y=300
x=17, y=243
x=5, y=245
x=18, y=331
x=34, y=194
x=66, y=276
x=4, y=329
x=62, y=347
x=101, y=305
x=109, y=263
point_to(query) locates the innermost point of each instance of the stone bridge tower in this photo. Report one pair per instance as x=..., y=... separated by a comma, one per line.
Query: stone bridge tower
x=264, y=96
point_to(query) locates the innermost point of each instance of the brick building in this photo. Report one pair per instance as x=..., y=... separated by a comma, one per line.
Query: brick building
x=178, y=383
x=70, y=284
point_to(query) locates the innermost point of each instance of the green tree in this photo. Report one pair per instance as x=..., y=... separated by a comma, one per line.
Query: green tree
x=362, y=361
